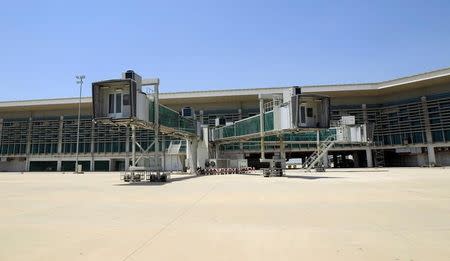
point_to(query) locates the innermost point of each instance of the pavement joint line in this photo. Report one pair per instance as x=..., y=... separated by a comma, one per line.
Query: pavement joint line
x=184, y=212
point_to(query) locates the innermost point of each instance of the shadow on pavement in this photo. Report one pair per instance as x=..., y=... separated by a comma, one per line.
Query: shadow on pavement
x=312, y=177
x=148, y=183
x=345, y=171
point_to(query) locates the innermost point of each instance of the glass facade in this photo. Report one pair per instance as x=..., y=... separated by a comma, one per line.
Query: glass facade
x=399, y=123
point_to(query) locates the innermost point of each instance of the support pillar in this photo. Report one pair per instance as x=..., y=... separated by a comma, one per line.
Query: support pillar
x=59, y=148
x=156, y=130
x=92, y=146
x=335, y=160
x=163, y=149
x=364, y=111
x=28, y=146
x=428, y=134
x=282, y=147
x=369, y=158
x=282, y=151
x=1, y=130
x=431, y=155
x=201, y=117
x=127, y=149
x=133, y=146
x=217, y=151
x=58, y=165
x=355, y=159
x=241, y=145
x=261, y=127
x=60, y=134
x=325, y=160
x=192, y=155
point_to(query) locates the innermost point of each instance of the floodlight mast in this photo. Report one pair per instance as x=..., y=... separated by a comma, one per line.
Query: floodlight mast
x=80, y=80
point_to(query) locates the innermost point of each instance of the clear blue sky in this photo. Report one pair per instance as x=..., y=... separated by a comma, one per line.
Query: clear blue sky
x=201, y=45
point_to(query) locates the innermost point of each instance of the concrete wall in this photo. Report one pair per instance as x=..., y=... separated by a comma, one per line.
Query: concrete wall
x=443, y=158
x=14, y=165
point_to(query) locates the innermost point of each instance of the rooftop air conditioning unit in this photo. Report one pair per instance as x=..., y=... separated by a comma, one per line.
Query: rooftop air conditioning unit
x=187, y=112
x=220, y=122
x=348, y=120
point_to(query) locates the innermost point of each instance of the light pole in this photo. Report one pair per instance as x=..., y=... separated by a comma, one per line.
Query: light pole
x=80, y=79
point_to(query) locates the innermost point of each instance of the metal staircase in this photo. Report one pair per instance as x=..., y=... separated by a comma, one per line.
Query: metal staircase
x=377, y=152
x=379, y=157
x=315, y=158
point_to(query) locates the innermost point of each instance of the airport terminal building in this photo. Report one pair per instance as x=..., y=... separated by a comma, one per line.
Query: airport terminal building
x=408, y=119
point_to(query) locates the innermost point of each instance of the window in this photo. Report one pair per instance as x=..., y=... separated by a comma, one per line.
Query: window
x=115, y=103
x=437, y=136
x=111, y=103
x=302, y=114
x=118, y=102
x=309, y=112
x=126, y=99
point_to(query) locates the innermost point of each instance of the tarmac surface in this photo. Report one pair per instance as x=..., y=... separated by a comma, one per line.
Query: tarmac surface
x=345, y=214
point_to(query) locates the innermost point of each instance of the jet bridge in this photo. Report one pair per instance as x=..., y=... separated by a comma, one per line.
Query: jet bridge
x=300, y=113
x=124, y=102
x=303, y=112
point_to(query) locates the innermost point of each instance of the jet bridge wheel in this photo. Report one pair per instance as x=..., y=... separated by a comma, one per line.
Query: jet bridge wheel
x=163, y=178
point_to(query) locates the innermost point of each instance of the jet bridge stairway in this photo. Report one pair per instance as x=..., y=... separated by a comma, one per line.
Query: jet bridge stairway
x=318, y=155
x=379, y=157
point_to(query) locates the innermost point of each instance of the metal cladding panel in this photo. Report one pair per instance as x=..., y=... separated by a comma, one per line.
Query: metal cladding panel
x=141, y=108
x=285, y=118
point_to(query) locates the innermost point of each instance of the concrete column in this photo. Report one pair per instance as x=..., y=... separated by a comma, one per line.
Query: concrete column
x=369, y=158
x=60, y=134
x=156, y=130
x=127, y=148
x=431, y=155
x=217, y=151
x=325, y=160
x=192, y=155
x=335, y=161
x=282, y=148
x=60, y=141
x=58, y=165
x=429, y=136
x=92, y=146
x=1, y=129
x=241, y=145
x=111, y=165
x=133, y=146
x=356, y=159
x=28, y=146
x=163, y=148
x=369, y=129
x=364, y=111
x=261, y=127
x=201, y=117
